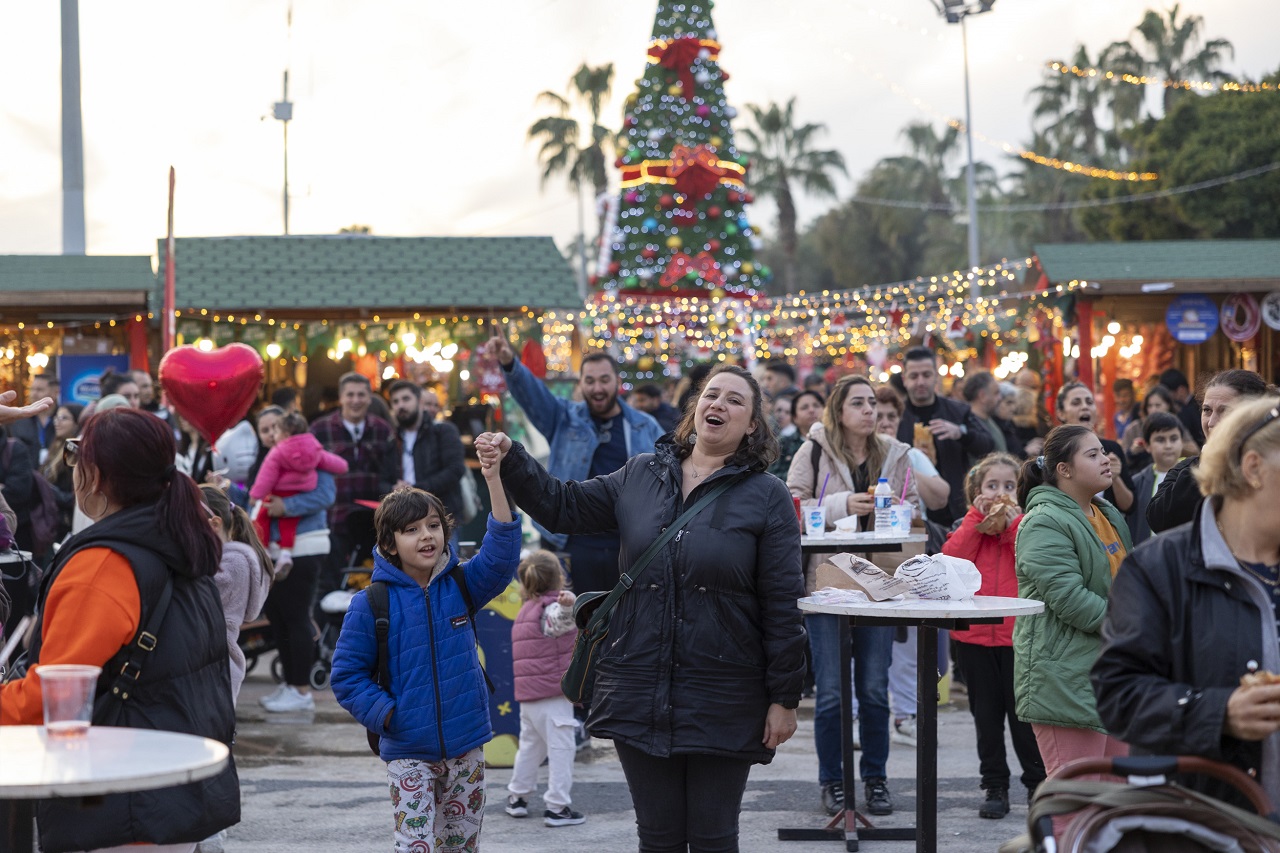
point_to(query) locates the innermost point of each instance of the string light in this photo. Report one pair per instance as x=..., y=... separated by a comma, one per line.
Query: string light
x=1143, y=80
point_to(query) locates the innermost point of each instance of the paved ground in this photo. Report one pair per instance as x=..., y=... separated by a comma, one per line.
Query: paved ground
x=310, y=783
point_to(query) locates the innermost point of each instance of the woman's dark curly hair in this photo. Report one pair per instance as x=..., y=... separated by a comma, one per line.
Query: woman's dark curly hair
x=758, y=450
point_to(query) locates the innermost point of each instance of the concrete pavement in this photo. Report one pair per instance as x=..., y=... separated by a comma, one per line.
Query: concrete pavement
x=309, y=782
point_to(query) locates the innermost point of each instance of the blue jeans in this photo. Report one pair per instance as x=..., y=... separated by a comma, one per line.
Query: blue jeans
x=872, y=651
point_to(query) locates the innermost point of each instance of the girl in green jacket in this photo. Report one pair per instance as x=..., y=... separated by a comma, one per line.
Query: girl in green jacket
x=1069, y=546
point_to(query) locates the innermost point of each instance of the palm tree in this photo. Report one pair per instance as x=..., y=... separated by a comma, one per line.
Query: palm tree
x=1067, y=108
x=1171, y=49
x=781, y=157
x=564, y=151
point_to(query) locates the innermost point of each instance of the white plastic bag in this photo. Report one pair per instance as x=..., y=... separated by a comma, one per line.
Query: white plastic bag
x=940, y=577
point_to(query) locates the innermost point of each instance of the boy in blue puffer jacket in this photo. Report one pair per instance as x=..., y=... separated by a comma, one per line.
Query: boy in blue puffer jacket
x=434, y=720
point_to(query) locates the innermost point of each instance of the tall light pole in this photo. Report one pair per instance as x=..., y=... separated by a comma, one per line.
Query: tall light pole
x=282, y=111
x=955, y=12
x=72, y=133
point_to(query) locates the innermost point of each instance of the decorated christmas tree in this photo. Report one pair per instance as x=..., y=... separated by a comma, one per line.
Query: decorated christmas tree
x=680, y=223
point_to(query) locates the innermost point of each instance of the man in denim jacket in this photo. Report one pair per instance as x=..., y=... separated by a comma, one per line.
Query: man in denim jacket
x=588, y=438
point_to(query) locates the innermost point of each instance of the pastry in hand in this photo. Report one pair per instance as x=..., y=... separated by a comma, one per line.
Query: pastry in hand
x=923, y=441
x=999, y=515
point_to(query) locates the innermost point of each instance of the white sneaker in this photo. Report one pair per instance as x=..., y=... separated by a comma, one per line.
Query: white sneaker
x=904, y=731
x=273, y=695
x=291, y=701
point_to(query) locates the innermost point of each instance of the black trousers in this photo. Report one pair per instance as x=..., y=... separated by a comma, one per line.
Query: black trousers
x=289, y=608
x=990, y=680
x=593, y=563
x=685, y=803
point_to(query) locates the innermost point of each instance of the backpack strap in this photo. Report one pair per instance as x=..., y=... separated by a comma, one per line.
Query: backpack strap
x=380, y=604
x=460, y=578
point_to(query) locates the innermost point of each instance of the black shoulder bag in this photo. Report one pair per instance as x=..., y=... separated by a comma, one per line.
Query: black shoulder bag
x=380, y=604
x=593, y=610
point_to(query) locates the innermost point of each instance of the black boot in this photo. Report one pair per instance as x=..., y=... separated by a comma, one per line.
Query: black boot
x=996, y=805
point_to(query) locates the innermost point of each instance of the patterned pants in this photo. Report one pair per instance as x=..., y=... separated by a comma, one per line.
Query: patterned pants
x=438, y=805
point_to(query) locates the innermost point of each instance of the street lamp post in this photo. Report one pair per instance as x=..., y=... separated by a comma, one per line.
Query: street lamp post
x=955, y=12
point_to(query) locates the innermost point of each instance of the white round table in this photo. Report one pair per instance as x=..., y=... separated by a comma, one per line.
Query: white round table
x=928, y=616
x=107, y=760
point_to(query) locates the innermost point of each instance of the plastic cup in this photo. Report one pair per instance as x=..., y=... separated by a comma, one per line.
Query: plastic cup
x=68, y=691
x=900, y=521
x=815, y=522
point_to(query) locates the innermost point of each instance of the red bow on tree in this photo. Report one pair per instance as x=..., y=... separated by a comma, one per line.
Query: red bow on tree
x=696, y=171
x=682, y=264
x=678, y=55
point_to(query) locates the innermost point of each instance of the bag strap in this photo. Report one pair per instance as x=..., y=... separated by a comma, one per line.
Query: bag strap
x=637, y=568
x=815, y=458
x=460, y=578
x=379, y=603
x=144, y=642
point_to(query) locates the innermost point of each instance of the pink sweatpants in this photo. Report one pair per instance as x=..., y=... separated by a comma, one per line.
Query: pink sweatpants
x=1060, y=744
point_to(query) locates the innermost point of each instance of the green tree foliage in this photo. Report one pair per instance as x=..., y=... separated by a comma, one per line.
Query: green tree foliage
x=782, y=156
x=1201, y=139
x=564, y=149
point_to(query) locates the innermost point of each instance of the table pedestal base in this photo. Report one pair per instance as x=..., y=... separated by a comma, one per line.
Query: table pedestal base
x=844, y=827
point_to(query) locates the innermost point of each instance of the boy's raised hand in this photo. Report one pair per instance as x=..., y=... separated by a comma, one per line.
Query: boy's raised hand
x=491, y=448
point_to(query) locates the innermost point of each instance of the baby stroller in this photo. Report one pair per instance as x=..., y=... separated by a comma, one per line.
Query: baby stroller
x=1147, y=812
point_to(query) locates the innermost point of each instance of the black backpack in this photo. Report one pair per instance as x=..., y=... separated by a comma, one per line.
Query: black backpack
x=380, y=604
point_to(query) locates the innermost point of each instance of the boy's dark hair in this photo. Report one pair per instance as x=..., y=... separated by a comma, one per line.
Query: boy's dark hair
x=601, y=356
x=777, y=365
x=1122, y=385
x=920, y=354
x=402, y=507
x=1173, y=379
x=405, y=385
x=1159, y=422
x=284, y=397
x=649, y=390
x=293, y=424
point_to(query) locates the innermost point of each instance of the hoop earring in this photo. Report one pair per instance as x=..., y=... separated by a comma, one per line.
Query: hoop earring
x=96, y=515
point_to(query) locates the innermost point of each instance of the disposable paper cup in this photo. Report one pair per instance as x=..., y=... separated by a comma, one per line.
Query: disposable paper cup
x=68, y=698
x=815, y=522
x=900, y=523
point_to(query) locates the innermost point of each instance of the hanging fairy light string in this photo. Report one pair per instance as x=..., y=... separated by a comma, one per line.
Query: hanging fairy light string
x=1143, y=80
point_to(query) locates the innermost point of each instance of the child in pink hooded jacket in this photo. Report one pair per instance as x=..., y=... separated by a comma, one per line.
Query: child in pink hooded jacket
x=290, y=469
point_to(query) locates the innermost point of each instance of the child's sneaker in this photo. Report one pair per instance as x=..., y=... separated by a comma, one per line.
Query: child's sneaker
x=517, y=807
x=904, y=730
x=564, y=817
x=284, y=563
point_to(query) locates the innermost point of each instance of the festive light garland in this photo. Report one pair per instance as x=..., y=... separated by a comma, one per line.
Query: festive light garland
x=1144, y=80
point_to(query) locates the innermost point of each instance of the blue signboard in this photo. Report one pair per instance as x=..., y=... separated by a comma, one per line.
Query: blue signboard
x=79, y=375
x=1192, y=319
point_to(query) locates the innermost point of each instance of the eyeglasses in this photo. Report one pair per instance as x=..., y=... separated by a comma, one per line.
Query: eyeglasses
x=1258, y=427
x=70, y=452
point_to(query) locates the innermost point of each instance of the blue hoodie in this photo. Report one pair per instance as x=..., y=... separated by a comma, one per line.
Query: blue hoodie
x=438, y=693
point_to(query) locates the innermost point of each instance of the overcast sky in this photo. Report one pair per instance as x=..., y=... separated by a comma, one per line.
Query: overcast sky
x=410, y=117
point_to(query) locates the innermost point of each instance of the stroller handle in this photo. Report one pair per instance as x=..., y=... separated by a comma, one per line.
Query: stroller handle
x=1164, y=765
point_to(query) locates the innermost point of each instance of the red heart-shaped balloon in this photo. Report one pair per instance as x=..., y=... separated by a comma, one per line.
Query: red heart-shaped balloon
x=211, y=390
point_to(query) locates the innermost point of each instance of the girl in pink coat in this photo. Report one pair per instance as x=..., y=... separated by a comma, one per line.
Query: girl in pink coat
x=290, y=469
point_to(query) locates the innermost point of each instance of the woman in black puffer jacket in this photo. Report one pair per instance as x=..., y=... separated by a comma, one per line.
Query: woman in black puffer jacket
x=704, y=663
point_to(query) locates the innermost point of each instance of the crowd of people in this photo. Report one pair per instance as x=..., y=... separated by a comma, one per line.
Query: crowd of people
x=708, y=653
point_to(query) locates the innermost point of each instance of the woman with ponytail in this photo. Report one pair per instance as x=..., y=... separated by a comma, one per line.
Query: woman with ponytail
x=147, y=563
x=244, y=574
x=1069, y=545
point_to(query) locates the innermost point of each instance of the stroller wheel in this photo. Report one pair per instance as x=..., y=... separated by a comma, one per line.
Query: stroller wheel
x=250, y=661
x=277, y=670
x=319, y=676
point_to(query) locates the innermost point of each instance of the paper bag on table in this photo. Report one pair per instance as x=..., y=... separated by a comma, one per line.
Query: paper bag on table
x=940, y=577
x=849, y=571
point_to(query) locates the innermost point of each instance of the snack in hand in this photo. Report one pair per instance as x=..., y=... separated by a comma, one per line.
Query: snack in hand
x=924, y=441
x=999, y=515
x=1259, y=679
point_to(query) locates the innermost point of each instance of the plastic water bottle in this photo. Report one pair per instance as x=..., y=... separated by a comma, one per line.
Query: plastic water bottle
x=884, y=508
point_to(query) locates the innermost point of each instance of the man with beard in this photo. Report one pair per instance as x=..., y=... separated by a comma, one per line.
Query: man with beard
x=949, y=433
x=429, y=453
x=589, y=438
x=364, y=440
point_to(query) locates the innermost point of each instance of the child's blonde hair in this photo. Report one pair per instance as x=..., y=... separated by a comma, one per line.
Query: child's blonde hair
x=973, y=480
x=539, y=573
